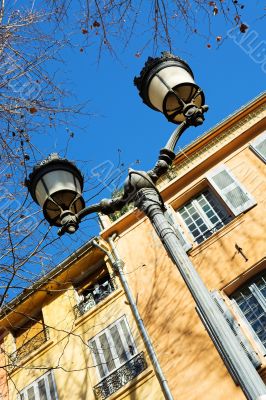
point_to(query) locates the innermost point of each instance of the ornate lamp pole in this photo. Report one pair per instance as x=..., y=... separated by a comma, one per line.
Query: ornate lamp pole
x=165, y=84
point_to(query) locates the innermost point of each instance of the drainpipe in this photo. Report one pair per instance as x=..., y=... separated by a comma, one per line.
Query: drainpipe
x=118, y=264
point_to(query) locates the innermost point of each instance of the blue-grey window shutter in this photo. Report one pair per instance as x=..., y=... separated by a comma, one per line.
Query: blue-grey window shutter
x=231, y=191
x=252, y=355
x=259, y=146
x=171, y=217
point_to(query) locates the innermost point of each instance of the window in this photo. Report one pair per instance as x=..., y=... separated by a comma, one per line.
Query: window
x=204, y=215
x=42, y=389
x=213, y=208
x=116, y=358
x=93, y=291
x=171, y=217
x=29, y=337
x=250, y=302
x=112, y=347
x=259, y=146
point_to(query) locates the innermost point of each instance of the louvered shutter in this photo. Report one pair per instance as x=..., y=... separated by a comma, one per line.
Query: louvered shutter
x=52, y=389
x=259, y=146
x=43, y=388
x=250, y=352
x=230, y=190
x=112, y=347
x=171, y=217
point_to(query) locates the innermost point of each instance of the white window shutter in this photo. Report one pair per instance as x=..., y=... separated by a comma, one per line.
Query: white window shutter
x=259, y=146
x=246, y=346
x=171, y=217
x=231, y=191
x=112, y=347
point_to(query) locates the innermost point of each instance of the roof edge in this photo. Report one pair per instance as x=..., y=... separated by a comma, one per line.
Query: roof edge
x=27, y=292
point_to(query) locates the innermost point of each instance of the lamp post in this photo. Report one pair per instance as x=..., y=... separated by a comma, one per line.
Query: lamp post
x=165, y=84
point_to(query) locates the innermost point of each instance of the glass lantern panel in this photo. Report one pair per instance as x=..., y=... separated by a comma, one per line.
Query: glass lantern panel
x=166, y=79
x=174, y=108
x=56, y=181
x=40, y=192
x=185, y=92
x=64, y=199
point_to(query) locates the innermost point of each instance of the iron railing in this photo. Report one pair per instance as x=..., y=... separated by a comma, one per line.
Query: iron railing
x=120, y=377
x=28, y=347
x=94, y=297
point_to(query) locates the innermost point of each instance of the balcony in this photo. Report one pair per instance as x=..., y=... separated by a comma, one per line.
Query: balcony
x=94, y=296
x=120, y=377
x=28, y=347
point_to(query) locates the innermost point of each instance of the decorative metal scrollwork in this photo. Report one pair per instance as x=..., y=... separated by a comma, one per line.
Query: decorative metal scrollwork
x=28, y=347
x=120, y=377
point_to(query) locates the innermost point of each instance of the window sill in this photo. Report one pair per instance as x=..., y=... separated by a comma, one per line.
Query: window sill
x=99, y=307
x=216, y=236
x=33, y=355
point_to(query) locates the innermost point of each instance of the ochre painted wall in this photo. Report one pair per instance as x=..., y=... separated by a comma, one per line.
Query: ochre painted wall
x=68, y=353
x=3, y=374
x=192, y=366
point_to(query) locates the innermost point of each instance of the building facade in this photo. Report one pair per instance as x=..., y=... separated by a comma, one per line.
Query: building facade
x=74, y=334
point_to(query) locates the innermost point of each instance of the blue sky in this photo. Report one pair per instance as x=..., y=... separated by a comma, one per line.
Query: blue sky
x=120, y=128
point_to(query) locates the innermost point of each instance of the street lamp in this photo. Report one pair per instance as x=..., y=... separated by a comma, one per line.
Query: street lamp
x=56, y=185
x=167, y=85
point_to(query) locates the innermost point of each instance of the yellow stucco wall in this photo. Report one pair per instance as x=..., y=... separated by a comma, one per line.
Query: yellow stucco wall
x=3, y=375
x=68, y=354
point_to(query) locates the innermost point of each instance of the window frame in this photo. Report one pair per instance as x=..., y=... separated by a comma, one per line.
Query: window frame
x=219, y=203
x=253, y=146
x=23, y=395
x=85, y=292
x=173, y=218
x=112, y=348
x=255, y=292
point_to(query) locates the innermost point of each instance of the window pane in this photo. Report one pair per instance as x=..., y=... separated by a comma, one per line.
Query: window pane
x=127, y=336
x=118, y=344
x=42, y=390
x=204, y=215
x=30, y=393
x=105, y=347
x=51, y=387
x=262, y=148
x=250, y=303
x=97, y=358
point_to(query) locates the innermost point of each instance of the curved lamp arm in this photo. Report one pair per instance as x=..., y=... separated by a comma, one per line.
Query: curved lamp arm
x=137, y=180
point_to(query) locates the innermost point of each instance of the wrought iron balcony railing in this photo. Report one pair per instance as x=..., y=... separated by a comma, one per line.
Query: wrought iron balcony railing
x=120, y=377
x=94, y=297
x=28, y=347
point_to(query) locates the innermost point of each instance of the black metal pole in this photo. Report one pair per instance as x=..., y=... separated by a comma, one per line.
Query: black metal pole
x=239, y=365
